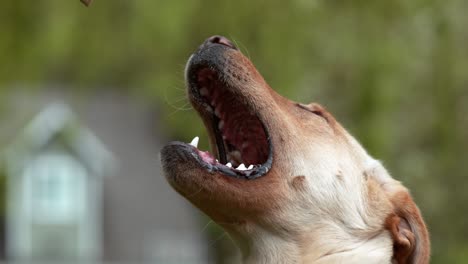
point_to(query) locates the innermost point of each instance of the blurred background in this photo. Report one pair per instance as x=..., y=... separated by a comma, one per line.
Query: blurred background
x=88, y=96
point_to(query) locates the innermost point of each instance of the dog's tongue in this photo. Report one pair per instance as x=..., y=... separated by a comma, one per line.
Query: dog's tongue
x=207, y=157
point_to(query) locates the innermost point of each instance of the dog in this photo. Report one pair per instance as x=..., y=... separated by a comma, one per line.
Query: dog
x=286, y=181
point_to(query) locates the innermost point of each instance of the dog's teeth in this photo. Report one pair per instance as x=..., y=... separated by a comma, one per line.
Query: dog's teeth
x=241, y=167
x=217, y=160
x=250, y=167
x=244, y=145
x=195, y=141
x=221, y=124
x=229, y=164
x=204, y=91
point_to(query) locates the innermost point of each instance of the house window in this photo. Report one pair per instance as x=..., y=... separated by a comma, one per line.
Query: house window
x=57, y=188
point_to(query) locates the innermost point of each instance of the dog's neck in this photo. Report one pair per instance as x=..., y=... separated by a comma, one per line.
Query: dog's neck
x=263, y=246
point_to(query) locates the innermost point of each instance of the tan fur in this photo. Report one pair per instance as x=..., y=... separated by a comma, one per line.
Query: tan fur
x=325, y=200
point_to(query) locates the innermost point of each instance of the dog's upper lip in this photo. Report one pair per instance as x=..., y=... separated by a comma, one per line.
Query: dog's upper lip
x=209, y=53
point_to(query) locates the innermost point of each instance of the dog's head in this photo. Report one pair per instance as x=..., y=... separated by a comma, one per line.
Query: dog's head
x=285, y=167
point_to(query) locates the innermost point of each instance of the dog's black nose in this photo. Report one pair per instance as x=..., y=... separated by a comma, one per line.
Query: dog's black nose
x=220, y=40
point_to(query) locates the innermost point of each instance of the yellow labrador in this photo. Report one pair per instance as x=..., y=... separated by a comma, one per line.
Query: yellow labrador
x=291, y=184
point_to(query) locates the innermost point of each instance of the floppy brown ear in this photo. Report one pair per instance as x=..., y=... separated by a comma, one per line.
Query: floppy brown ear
x=410, y=237
x=409, y=233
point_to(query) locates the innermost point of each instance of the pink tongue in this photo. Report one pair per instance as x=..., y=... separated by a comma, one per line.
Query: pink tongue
x=206, y=157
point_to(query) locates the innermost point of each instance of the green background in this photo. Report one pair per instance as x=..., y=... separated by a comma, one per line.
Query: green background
x=395, y=73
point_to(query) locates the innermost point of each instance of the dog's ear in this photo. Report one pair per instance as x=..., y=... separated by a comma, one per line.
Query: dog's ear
x=408, y=231
x=405, y=223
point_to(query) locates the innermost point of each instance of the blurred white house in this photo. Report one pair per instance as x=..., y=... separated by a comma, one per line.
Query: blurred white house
x=54, y=193
x=84, y=183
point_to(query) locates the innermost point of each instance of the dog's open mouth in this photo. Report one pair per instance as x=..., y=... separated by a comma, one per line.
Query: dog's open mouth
x=239, y=138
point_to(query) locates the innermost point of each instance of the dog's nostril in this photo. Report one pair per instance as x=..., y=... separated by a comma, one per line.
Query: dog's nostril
x=221, y=40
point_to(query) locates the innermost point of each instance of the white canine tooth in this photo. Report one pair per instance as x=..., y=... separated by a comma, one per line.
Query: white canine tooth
x=244, y=145
x=241, y=167
x=221, y=124
x=250, y=167
x=204, y=91
x=229, y=164
x=195, y=141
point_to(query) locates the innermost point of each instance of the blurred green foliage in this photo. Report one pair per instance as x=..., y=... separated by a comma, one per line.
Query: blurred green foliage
x=395, y=73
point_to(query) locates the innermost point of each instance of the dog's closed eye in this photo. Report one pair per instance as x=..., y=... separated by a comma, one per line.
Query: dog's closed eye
x=315, y=109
